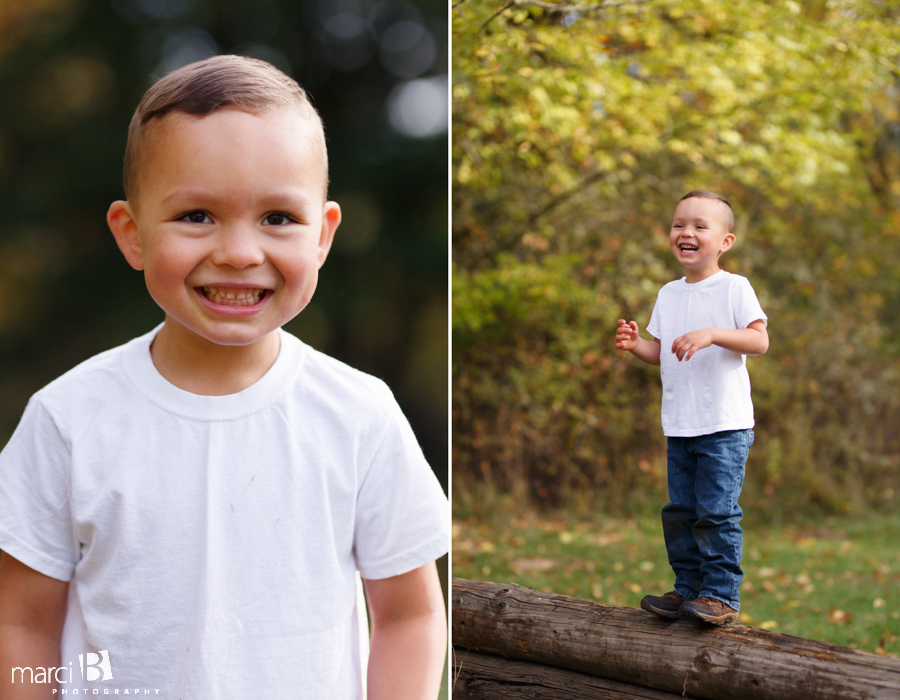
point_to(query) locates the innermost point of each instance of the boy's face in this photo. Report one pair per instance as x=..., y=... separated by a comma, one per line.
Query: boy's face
x=699, y=235
x=231, y=226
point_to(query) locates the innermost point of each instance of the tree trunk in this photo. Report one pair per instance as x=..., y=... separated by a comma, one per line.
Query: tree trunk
x=485, y=677
x=732, y=662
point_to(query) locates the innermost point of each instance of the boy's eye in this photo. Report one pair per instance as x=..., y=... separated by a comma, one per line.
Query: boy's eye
x=277, y=219
x=196, y=217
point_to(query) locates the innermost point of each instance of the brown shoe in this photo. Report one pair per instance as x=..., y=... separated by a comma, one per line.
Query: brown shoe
x=709, y=610
x=666, y=605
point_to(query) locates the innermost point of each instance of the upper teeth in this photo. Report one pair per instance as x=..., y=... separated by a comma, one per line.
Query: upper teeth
x=224, y=295
x=688, y=247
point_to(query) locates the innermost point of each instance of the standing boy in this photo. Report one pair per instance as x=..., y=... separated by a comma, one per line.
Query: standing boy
x=703, y=327
x=185, y=514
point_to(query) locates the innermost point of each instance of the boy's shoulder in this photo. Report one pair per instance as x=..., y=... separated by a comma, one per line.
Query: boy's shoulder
x=94, y=375
x=328, y=376
x=721, y=279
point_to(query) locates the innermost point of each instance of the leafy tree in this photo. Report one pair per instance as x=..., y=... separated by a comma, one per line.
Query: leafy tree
x=576, y=128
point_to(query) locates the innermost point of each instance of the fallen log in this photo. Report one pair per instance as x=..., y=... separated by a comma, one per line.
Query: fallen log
x=479, y=676
x=732, y=662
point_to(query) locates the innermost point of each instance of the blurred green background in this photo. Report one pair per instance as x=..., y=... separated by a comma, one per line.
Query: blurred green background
x=71, y=74
x=575, y=130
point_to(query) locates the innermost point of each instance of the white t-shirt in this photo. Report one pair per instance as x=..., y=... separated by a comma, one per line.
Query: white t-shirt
x=709, y=392
x=213, y=541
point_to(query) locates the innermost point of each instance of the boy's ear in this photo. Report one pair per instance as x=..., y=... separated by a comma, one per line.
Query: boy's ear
x=331, y=219
x=727, y=242
x=121, y=221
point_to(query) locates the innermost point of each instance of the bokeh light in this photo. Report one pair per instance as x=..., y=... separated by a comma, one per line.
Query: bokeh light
x=418, y=108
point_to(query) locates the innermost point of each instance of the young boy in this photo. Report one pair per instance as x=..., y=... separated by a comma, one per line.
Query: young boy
x=185, y=515
x=703, y=327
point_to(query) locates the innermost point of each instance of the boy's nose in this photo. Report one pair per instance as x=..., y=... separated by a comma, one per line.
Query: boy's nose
x=238, y=247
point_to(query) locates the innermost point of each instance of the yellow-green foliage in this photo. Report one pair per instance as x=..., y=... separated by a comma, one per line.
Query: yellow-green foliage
x=575, y=131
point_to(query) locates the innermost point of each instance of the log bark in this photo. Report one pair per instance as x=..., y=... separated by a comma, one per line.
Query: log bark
x=479, y=676
x=732, y=662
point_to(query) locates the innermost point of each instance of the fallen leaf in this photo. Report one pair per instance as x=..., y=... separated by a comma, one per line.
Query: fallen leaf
x=463, y=545
x=607, y=538
x=839, y=616
x=533, y=565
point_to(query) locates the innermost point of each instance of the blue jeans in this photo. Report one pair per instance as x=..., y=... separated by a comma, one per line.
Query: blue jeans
x=703, y=537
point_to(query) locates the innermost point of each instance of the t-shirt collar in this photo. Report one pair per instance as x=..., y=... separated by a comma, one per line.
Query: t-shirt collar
x=148, y=381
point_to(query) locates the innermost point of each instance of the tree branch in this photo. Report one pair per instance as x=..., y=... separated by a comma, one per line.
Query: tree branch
x=493, y=17
x=586, y=9
x=568, y=194
x=555, y=8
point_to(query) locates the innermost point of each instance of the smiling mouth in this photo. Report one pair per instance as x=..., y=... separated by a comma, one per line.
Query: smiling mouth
x=234, y=296
x=685, y=248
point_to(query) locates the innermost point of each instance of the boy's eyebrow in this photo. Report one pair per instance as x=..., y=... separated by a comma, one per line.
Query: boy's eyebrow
x=183, y=194
x=295, y=198
x=701, y=219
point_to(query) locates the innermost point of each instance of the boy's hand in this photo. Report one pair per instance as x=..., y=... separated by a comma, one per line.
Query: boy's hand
x=688, y=344
x=627, y=338
x=626, y=334
x=752, y=340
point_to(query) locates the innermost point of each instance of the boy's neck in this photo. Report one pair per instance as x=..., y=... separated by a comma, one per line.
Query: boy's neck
x=694, y=276
x=199, y=366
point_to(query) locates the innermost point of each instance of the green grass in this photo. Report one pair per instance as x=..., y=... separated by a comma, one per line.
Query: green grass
x=836, y=580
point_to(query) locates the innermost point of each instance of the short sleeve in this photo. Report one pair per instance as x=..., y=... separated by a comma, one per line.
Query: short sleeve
x=402, y=514
x=653, y=327
x=745, y=304
x=35, y=518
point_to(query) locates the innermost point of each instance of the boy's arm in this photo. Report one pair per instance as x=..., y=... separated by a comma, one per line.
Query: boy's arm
x=409, y=635
x=627, y=338
x=752, y=340
x=32, y=612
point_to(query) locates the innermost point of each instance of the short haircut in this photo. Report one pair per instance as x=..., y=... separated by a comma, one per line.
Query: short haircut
x=706, y=194
x=220, y=82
